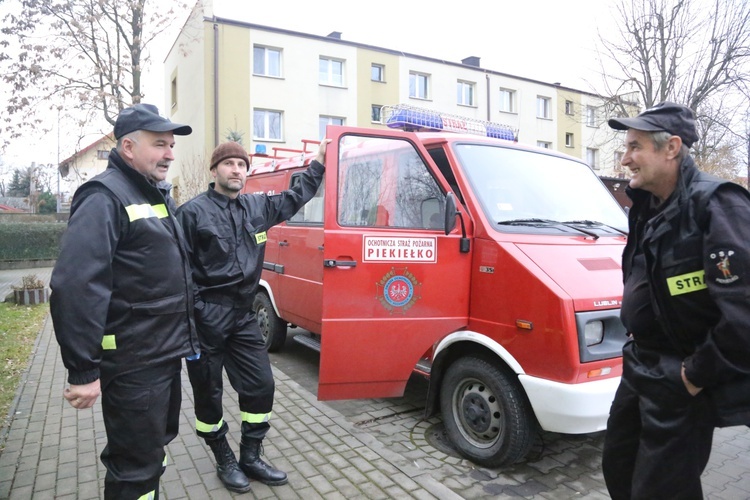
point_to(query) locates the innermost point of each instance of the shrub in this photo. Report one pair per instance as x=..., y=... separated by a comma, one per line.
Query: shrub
x=38, y=241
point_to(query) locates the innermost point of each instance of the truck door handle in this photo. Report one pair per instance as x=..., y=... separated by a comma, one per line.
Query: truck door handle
x=283, y=243
x=339, y=263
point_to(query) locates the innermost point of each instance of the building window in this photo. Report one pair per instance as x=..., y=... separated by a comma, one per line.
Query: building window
x=592, y=158
x=324, y=121
x=377, y=73
x=375, y=113
x=568, y=107
x=591, y=116
x=266, y=125
x=507, y=101
x=331, y=72
x=465, y=93
x=568, y=140
x=266, y=61
x=418, y=85
x=173, y=93
x=543, y=107
x=618, y=161
x=102, y=154
x=544, y=144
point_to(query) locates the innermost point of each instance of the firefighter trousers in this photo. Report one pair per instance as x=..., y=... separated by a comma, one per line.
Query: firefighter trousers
x=230, y=339
x=141, y=410
x=658, y=437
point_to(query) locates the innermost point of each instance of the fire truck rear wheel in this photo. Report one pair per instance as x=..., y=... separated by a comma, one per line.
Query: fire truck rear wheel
x=271, y=326
x=485, y=413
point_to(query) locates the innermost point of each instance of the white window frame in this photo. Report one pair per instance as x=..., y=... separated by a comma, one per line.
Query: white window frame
x=327, y=71
x=325, y=120
x=544, y=144
x=543, y=107
x=381, y=72
x=379, y=113
x=592, y=158
x=268, y=116
x=419, y=85
x=569, y=140
x=507, y=100
x=569, y=108
x=618, y=160
x=590, y=116
x=267, y=62
x=462, y=88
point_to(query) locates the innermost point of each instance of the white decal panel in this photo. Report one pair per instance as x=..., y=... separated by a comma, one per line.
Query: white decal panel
x=399, y=249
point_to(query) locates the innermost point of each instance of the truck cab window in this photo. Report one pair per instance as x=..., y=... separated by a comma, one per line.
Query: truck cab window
x=312, y=211
x=385, y=183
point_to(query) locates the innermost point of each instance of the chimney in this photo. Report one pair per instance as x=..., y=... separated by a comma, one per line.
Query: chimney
x=335, y=34
x=471, y=61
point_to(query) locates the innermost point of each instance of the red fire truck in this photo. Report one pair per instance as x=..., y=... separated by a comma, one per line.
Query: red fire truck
x=490, y=267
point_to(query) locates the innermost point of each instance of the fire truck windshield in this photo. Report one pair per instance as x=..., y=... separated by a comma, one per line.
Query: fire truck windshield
x=516, y=185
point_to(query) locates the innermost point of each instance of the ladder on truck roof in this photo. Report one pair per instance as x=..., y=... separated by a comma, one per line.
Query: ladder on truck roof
x=279, y=154
x=415, y=119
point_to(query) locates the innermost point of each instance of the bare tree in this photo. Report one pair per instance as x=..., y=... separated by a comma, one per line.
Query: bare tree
x=193, y=179
x=87, y=52
x=695, y=53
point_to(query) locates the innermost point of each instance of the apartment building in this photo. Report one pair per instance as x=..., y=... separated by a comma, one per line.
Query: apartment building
x=272, y=87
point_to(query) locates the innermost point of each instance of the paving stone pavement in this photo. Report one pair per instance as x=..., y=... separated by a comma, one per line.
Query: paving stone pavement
x=373, y=449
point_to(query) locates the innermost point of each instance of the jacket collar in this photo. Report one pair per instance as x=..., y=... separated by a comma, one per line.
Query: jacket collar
x=218, y=198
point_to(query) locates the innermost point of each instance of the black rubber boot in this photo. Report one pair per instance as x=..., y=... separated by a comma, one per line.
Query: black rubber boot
x=226, y=466
x=255, y=468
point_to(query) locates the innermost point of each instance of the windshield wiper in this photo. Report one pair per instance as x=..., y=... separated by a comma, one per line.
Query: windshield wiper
x=536, y=222
x=596, y=223
x=526, y=222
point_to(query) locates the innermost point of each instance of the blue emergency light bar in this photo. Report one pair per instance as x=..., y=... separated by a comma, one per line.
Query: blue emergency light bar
x=412, y=118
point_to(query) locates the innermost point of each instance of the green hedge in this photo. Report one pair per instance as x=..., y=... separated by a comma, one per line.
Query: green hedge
x=30, y=241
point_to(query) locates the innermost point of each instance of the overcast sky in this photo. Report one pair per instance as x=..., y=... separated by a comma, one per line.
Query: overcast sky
x=546, y=40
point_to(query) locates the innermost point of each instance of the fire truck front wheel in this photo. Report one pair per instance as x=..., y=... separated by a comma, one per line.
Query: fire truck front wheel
x=485, y=413
x=271, y=326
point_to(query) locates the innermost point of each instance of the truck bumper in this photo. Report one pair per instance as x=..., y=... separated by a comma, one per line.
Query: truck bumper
x=570, y=408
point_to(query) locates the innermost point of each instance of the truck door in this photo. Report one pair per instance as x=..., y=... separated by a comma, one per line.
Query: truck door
x=393, y=282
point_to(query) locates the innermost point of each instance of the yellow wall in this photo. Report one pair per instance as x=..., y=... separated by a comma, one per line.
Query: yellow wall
x=234, y=82
x=569, y=123
x=370, y=92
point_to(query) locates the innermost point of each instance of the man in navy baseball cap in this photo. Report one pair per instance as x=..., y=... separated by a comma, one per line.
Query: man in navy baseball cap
x=686, y=279
x=146, y=117
x=122, y=302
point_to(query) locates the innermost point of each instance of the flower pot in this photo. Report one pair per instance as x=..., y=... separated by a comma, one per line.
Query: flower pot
x=31, y=296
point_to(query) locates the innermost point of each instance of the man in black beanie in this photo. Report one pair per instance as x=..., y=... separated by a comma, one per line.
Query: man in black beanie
x=686, y=265
x=122, y=302
x=226, y=235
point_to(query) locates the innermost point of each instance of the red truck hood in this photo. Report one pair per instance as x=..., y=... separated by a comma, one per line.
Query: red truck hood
x=591, y=274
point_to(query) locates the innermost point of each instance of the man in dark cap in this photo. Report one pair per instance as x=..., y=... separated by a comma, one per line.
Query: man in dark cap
x=122, y=302
x=686, y=273
x=226, y=236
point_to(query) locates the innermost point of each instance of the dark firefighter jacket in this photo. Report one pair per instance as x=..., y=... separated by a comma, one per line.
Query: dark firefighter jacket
x=227, y=263
x=122, y=293
x=697, y=252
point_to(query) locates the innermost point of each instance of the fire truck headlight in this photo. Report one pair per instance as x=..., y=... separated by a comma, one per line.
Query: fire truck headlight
x=593, y=332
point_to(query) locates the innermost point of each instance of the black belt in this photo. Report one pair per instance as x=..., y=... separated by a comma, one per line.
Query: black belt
x=225, y=299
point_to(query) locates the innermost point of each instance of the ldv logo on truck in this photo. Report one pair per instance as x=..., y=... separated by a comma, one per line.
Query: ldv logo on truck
x=398, y=290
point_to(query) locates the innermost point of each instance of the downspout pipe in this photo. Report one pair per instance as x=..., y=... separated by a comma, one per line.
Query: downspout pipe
x=489, y=93
x=216, y=84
